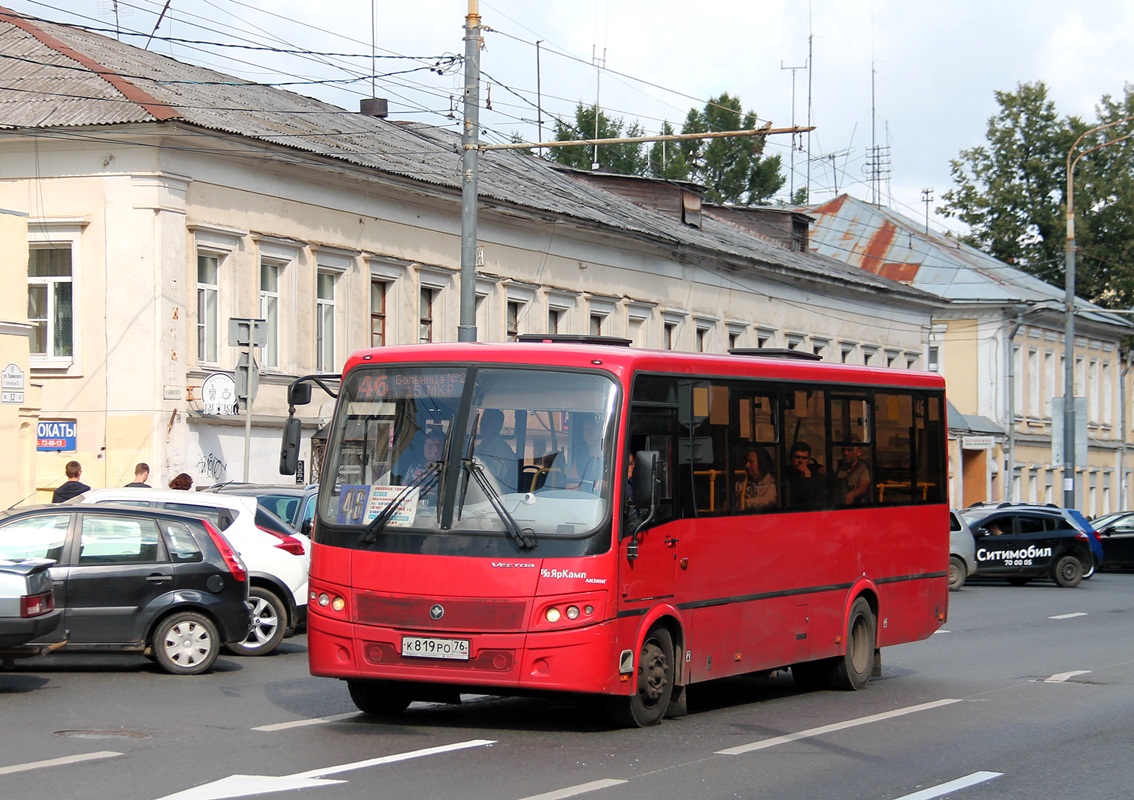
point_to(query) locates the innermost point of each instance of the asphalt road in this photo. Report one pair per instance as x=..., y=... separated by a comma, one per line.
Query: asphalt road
x=1025, y=693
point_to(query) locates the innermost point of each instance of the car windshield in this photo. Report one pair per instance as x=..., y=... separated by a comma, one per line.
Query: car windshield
x=492, y=451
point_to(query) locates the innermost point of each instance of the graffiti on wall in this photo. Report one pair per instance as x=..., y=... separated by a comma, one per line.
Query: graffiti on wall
x=211, y=466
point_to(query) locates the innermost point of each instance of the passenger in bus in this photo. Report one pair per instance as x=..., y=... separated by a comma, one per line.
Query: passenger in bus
x=853, y=476
x=757, y=489
x=804, y=481
x=496, y=454
x=431, y=450
x=585, y=465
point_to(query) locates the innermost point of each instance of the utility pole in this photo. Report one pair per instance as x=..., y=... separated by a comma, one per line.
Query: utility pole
x=927, y=198
x=466, y=331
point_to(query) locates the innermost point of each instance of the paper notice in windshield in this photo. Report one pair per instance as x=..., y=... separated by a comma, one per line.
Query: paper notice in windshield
x=359, y=504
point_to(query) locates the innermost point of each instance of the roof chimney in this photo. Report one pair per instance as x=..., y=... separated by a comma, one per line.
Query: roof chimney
x=374, y=107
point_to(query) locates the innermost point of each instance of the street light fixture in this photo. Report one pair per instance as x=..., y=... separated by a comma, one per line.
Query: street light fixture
x=1069, y=307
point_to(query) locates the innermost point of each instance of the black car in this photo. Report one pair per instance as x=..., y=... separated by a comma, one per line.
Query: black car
x=292, y=503
x=1024, y=542
x=1117, y=533
x=132, y=579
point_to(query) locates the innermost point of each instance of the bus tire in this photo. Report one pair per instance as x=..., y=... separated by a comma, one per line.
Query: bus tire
x=379, y=698
x=852, y=670
x=1068, y=572
x=650, y=702
x=956, y=573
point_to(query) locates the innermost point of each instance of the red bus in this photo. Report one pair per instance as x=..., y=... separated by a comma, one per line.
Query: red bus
x=597, y=519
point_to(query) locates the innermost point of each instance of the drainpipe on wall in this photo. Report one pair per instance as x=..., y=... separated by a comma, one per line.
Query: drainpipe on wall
x=1123, y=491
x=1010, y=416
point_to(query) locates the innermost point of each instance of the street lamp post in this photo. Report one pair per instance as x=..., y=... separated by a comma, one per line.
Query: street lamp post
x=1069, y=308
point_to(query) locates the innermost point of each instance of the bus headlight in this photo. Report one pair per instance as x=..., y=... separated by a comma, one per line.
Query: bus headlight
x=552, y=614
x=572, y=612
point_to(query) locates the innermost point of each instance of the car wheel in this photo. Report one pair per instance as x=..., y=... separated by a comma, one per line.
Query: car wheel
x=1068, y=572
x=381, y=699
x=648, y=704
x=186, y=643
x=956, y=573
x=269, y=622
x=852, y=671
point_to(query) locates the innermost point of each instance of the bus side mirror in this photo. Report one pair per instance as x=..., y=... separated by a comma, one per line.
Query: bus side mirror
x=299, y=394
x=645, y=478
x=289, y=450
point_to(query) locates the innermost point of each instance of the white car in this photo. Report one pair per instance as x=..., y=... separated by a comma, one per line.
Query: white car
x=277, y=557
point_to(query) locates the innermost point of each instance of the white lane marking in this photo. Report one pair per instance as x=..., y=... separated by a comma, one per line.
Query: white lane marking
x=248, y=785
x=301, y=723
x=838, y=726
x=58, y=762
x=1060, y=677
x=951, y=786
x=1070, y=616
x=571, y=791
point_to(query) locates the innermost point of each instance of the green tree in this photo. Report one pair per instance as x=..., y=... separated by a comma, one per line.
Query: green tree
x=1011, y=192
x=667, y=159
x=732, y=169
x=624, y=159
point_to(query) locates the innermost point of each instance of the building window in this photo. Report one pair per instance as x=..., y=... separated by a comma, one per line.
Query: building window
x=934, y=358
x=702, y=340
x=554, y=319
x=512, y=323
x=50, y=310
x=794, y=341
x=596, y=325
x=669, y=334
x=764, y=337
x=1034, y=383
x=425, y=329
x=208, y=291
x=270, y=313
x=325, y=321
x=377, y=313
x=733, y=340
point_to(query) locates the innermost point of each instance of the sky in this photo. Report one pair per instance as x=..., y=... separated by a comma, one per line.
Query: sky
x=915, y=79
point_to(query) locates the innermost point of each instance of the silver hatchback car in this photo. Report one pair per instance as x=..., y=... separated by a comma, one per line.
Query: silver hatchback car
x=962, y=552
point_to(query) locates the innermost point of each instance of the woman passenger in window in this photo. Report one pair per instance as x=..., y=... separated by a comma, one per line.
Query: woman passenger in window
x=757, y=489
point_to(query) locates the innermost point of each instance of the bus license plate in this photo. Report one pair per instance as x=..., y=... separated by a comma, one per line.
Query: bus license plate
x=423, y=647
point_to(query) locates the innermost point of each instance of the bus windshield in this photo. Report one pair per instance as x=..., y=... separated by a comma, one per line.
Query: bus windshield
x=514, y=453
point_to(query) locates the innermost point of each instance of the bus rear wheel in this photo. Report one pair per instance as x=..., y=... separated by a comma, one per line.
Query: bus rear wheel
x=852, y=670
x=378, y=698
x=649, y=703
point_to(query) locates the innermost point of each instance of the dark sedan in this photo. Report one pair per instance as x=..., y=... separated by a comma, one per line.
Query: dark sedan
x=131, y=579
x=1117, y=533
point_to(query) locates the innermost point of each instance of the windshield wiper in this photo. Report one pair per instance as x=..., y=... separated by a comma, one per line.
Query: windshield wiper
x=425, y=481
x=525, y=537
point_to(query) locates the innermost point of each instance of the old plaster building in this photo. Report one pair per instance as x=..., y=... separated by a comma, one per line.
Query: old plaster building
x=1000, y=343
x=162, y=200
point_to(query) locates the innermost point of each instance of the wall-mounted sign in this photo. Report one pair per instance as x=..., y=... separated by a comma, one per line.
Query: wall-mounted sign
x=218, y=393
x=977, y=442
x=56, y=435
x=12, y=377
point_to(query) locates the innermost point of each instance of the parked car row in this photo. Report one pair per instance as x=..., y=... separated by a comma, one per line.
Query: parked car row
x=277, y=556
x=129, y=579
x=172, y=574
x=1021, y=542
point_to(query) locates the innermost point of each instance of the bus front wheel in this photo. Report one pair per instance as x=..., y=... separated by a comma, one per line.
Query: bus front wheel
x=649, y=703
x=380, y=699
x=852, y=670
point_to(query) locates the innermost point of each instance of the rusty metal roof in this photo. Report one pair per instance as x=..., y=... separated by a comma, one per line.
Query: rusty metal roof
x=57, y=76
x=883, y=242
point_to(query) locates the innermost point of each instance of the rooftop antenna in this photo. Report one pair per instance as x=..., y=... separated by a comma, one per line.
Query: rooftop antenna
x=600, y=65
x=791, y=168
